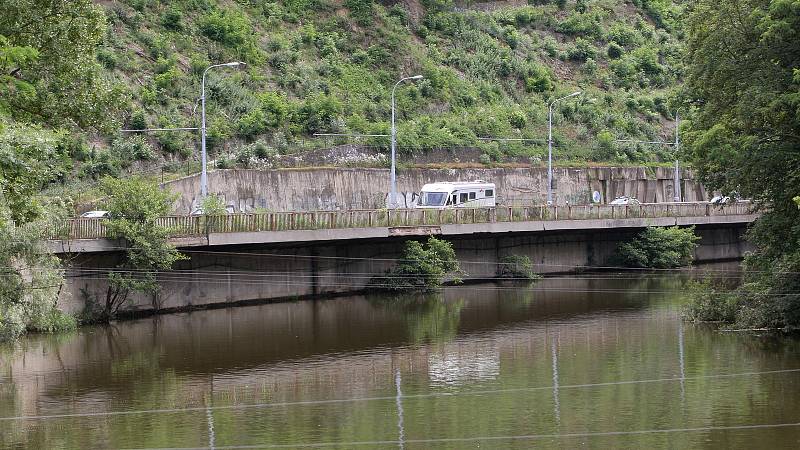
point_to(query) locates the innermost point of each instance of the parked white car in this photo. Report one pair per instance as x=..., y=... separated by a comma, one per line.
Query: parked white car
x=622, y=201
x=720, y=200
x=95, y=215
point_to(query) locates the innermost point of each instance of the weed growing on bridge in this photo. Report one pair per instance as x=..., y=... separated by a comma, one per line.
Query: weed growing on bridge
x=516, y=267
x=659, y=248
x=422, y=267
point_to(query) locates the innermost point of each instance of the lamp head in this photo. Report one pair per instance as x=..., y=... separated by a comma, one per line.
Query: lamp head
x=416, y=77
x=234, y=64
x=575, y=93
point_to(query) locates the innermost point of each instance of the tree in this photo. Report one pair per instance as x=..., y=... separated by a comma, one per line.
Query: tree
x=30, y=158
x=421, y=267
x=659, y=248
x=48, y=67
x=30, y=277
x=134, y=205
x=744, y=86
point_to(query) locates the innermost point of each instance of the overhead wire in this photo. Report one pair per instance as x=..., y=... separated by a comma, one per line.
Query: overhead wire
x=394, y=397
x=493, y=438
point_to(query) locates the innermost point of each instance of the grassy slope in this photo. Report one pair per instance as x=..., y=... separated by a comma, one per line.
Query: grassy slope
x=328, y=66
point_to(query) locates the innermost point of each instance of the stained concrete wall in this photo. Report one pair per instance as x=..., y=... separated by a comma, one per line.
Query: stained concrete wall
x=225, y=275
x=337, y=189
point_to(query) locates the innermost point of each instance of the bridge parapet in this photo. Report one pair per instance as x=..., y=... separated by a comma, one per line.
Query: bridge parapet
x=196, y=226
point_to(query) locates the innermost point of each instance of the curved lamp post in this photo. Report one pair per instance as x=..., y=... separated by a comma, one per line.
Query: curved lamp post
x=550, y=146
x=393, y=181
x=204, y=173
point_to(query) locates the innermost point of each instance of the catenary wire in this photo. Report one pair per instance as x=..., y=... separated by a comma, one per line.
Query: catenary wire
x=394, y=397
x=495, y=438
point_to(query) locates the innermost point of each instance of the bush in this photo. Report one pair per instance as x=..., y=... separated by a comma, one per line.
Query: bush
x=582, y=50
x=539, y=79
x=107, y=58
x=614, y=51
x=710, y=304
x=138, y=120
x=172, y=19
x=360, y=10
x=659, y=248
x=227, y=27
x=32, y=276
x=578, y=24
x=517, y=119
x=421, y=267
x=516, y=267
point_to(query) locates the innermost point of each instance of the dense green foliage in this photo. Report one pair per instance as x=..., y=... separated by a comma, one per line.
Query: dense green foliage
x=659, y=248
x=48, y=70
x=421, y=267
x=516, y=267
x=744, y=84
x=49, y=79
x=30, y=277
x=134, y=205
x=328, y=66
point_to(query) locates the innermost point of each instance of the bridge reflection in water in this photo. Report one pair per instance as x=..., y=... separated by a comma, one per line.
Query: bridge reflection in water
x=567, y=355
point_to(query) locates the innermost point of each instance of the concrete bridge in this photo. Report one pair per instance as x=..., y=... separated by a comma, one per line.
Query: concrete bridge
x=290, y=255
x=90, y=235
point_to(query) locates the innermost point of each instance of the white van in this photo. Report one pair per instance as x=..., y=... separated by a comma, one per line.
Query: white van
x=459, y=194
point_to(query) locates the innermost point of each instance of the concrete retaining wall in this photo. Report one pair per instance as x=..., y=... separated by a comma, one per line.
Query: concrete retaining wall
x=335, y=189
x=278, y=271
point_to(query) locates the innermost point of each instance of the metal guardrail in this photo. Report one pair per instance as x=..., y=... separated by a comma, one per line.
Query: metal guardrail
x=188, y=226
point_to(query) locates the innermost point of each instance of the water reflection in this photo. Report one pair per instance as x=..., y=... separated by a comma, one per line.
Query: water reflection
x=479, y=360
x=431, y=317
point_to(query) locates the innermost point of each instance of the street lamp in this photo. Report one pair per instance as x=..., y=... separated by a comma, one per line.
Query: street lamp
x=393, y=193
x=676, y=191
x=550, y=146
x=204, y=173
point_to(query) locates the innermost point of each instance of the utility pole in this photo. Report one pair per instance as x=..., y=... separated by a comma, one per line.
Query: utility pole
x=393, y=178
x=204, y=172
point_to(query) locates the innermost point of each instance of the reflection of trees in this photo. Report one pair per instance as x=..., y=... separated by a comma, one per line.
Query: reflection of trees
x=429, y=317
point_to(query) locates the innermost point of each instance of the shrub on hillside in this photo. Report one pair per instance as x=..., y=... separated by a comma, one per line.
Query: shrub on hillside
x=172, y=19
x=582, y=50
x=360, y=11
x=614, y=50
x=659, y=248
x=578, y=24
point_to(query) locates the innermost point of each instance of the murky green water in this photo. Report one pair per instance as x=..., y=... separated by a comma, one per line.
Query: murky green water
x=592, y=361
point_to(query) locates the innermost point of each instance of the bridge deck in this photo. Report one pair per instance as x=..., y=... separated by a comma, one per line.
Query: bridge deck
x=90, y=235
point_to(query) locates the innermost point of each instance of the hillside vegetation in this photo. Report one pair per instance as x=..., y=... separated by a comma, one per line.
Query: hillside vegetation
x=327, y=66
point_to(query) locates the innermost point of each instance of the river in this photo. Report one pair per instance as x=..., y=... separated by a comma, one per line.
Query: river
x=598, y=360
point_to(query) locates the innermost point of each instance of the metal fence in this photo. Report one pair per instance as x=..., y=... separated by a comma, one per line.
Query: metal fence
x=188, y=226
